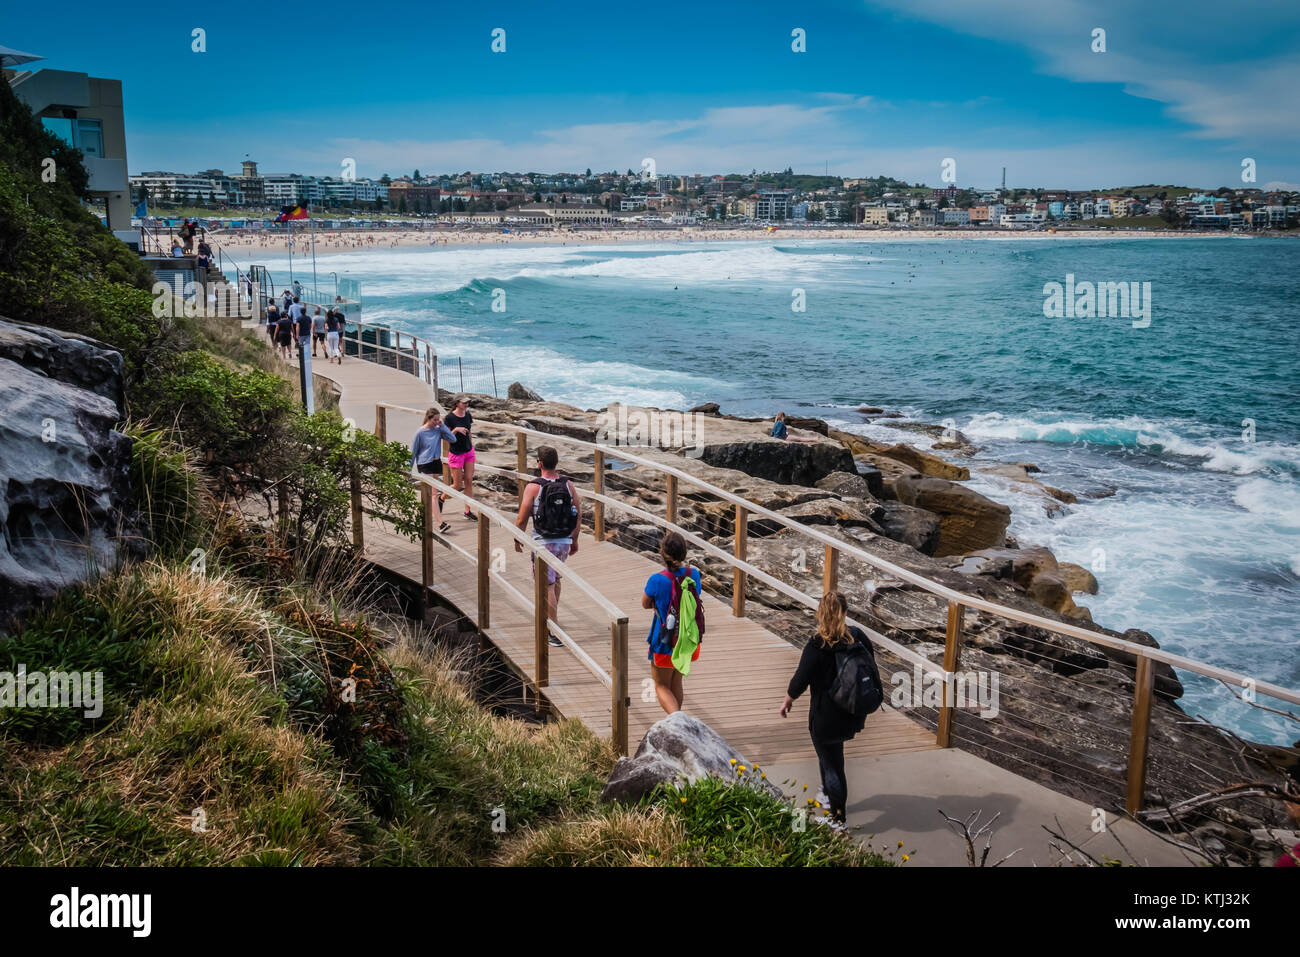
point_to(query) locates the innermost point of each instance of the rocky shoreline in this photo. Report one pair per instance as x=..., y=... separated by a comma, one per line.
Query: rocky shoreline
x=1065, y=704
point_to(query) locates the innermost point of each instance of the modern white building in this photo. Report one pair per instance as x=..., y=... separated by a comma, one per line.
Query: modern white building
x=85, y=112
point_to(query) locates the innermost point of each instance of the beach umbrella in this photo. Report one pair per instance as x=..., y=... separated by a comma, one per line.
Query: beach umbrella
x=9, y=57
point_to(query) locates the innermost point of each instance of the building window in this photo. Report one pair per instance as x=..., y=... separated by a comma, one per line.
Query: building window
x=90, y=137
x=60, y=126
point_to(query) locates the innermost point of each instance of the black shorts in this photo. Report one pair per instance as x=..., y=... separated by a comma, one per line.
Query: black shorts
x=430, y=468
x=320, y=336
x=282, y=340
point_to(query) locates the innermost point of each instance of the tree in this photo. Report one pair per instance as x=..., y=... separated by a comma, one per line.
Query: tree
x=416, y=176
x=588, y=171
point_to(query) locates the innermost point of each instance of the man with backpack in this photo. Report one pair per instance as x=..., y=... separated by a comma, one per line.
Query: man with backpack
x=676, y=631
x=839, y=665
x=551, y=502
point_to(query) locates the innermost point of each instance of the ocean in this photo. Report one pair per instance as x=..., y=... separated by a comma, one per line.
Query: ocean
x=1180, y=436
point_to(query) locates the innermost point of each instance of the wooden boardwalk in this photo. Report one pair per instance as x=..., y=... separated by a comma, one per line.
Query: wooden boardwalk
x=737, y=685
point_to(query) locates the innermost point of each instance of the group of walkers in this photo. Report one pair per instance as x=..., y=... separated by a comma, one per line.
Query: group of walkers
x=289, y=325
x=837, y=666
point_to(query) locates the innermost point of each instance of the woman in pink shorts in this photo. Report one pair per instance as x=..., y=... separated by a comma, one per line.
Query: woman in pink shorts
x=461, y=454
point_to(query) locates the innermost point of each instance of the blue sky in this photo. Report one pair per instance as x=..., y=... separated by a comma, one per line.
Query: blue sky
x=1183, y=92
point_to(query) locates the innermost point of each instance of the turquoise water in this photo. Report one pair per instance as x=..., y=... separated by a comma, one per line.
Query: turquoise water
x=1197, y=539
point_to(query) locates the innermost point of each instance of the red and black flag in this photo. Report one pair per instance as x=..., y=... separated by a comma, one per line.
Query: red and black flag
x=291, y=212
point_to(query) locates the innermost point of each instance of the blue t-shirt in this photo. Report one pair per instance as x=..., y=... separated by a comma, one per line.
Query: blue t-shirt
x=659, y=588
x=778, y=430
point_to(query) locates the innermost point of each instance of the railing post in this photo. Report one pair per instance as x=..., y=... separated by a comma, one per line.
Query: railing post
x=381, y=423
x=426, y=545
x=831, y=570
x=433, y=370
x=446, y=459
x=521, y=461
x=484, y=571
x=1144, y=683
x=951, y=662
x=358, y=513
x=541, y=630
x=738, y=577
x=619, y=700
x=598, y=483
x=671, y=509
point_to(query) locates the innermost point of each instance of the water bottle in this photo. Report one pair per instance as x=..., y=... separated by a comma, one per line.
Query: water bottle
x=671, y=623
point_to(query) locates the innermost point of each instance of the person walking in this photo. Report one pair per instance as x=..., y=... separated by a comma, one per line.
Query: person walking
x=332, y=332
x=272, y=319
x=551, y=502
x=284, y=335
x=304, y=327
x=461, y=458
x=317, y=331
x=660, y=589
x=830, y=724
x=426, y=453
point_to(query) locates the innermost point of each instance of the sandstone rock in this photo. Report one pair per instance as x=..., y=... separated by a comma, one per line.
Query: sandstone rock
x=520, y=391
x=707, y=408
x=678, y=749
x=1049, y=590
x=1078, y=578
x=811, y=425
x=873, y=477
x=845, y=485
x=900, y=454
x=64, y=487
x=1026, y=563
x=967, y=520
x=911, y=526
x=830, y=511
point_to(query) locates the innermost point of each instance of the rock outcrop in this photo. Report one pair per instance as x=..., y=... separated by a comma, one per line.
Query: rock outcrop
x=518, y=390
x=967, y=520
x=64, y=469
x=676, y=750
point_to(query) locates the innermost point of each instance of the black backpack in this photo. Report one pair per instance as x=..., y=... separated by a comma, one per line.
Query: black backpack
x=857, y=689
x=554, y=514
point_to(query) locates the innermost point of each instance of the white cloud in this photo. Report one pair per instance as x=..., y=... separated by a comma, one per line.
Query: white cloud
x=1204, y=63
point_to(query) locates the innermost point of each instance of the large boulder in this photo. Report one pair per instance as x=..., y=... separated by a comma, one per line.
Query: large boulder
x=518, y=390
x=64, y=469
x=911, y=526
x=967, y=520
x=899, y=455
x=678, y=749
x=845, y=484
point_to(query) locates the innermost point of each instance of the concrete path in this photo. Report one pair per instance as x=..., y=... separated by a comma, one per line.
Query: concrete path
x=897, y=797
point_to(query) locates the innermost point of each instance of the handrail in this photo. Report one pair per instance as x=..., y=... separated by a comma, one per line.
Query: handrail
x=951, y=595
x=522, y=600
x=526, y=540
x=907, y=654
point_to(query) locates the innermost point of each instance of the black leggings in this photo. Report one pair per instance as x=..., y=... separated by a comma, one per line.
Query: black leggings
x=830, y=759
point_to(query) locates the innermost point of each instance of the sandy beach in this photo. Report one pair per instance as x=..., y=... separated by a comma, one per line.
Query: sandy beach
x=342, y=241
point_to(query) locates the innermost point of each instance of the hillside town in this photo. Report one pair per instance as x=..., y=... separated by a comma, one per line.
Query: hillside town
x=612, y=198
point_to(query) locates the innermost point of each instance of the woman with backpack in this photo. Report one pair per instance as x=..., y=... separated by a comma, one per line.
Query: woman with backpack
x=829, y=723
x=663, y=594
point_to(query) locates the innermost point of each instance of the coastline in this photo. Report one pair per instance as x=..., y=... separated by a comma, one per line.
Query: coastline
x=438, y=237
